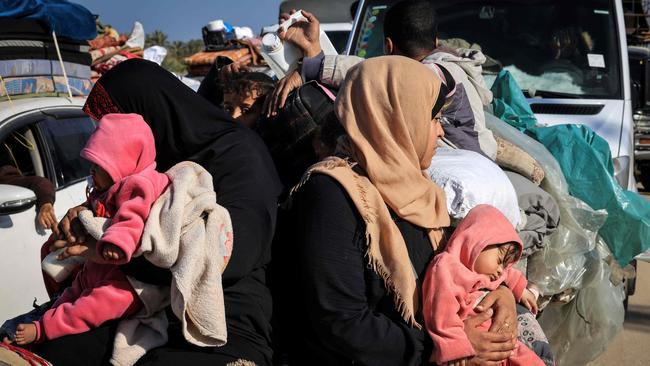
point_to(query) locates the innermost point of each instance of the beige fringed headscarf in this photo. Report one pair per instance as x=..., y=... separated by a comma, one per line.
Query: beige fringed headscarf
x=385, y=105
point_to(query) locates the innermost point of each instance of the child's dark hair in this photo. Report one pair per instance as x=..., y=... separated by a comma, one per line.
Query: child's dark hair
x=413, y=27
x=512, y=253
x=247, y=83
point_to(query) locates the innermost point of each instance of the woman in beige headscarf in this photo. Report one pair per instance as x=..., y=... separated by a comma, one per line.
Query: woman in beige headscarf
x=370, y=221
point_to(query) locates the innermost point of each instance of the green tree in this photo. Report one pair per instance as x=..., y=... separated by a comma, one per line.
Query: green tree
x=176, y=50
x=156, y=38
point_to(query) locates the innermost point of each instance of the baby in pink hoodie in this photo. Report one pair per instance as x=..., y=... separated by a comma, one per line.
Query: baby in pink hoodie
x=478, y=258
x=125, y=186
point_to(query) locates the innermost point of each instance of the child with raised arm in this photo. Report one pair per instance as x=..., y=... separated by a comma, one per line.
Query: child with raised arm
x=125, y=186
x=477, y=259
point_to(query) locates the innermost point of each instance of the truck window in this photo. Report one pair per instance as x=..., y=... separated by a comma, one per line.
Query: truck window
x=65, y=138
x=553, y=46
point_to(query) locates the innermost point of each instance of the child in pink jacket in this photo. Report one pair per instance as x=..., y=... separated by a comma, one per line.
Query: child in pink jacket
x=477, y=259
x=125, y=186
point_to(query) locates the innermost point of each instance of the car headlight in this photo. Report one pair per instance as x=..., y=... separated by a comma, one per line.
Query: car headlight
x=622, y=170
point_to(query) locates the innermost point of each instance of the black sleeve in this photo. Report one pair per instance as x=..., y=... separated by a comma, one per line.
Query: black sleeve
x=332, y=262
x=42, y=187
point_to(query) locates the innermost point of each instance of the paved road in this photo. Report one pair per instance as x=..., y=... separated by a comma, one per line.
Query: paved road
x=631, y=347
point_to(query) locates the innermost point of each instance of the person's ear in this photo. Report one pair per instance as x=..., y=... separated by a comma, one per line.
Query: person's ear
x=389, y=46
x=435, y=42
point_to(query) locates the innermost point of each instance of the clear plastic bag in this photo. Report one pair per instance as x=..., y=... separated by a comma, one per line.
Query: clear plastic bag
x=581, y=330
x=568, y=260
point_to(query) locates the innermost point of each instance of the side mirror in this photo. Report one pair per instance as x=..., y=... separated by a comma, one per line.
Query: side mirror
x=14, y=199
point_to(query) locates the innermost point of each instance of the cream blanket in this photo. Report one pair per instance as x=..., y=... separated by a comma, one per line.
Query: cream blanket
x=189, y=233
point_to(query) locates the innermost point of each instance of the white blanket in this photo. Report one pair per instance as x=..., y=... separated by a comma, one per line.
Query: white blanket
x=470, y=179
x=189, y=233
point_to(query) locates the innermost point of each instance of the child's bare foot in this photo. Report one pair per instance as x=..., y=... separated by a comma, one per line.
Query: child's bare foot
x=25, y=333
x=112, y=252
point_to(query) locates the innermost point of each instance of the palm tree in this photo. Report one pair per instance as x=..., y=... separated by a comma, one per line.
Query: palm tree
x=156, y=38
x=177, y=48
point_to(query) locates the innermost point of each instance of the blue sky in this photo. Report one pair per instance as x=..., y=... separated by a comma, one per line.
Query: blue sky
x=182, y=19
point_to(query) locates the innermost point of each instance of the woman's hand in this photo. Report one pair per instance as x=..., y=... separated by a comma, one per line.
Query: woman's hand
x=491, y=347
x=84, y=249
x=304, y=34
x=235, y=67
x=47, y=218
x=460, y=362
x=276, y=99
x=70, y=226
x=502, y=301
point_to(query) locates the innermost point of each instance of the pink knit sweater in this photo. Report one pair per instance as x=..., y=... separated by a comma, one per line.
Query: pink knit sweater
x=451, y=287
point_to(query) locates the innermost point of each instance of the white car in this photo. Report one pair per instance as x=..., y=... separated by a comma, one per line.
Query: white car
x=45, y=135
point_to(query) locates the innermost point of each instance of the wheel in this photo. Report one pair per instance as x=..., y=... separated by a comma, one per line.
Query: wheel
x=644, y=176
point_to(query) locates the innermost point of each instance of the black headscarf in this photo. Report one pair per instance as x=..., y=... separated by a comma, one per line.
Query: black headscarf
x=188, y=127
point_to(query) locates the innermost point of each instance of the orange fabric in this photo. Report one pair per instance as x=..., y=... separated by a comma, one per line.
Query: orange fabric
x=207, y=58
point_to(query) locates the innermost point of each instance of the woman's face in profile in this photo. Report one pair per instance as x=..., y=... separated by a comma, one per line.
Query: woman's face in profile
x=435, y=133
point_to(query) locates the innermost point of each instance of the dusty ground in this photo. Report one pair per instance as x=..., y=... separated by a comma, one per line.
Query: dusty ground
x=631, y=347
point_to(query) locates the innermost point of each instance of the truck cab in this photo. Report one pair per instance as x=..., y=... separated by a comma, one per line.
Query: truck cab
x=570, y=58
x=640, y=75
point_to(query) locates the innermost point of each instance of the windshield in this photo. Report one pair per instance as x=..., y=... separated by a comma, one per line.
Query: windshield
x=552, y=48
x=339, y=39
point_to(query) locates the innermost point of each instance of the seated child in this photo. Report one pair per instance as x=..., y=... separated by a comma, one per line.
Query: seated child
x=477, y=259
x=244, y=94
x=125, y=186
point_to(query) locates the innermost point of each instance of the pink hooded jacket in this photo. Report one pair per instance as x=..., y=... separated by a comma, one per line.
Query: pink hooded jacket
x=451, y=287
x=123, y=145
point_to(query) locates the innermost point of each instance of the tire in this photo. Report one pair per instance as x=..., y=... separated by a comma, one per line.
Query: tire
x=644, y=176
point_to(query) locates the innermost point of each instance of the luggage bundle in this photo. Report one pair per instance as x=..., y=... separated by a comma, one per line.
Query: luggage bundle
x=110, y=48
x=40, y=44
x=222, y=39
x=29, y=61
x=43, y=48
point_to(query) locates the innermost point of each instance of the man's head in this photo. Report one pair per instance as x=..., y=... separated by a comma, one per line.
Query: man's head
x=244, y=95
x=411, y=29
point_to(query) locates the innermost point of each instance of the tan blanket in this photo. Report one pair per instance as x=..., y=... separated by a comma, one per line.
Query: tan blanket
x=191, y=235
x=511, y=157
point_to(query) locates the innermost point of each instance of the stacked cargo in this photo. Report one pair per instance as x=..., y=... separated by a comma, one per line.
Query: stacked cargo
x=223, y=40
x=30, y=63
x=110, y=48
x=44, y=48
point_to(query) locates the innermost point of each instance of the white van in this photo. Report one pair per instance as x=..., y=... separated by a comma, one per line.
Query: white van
x=570, y=57
x=45, y=135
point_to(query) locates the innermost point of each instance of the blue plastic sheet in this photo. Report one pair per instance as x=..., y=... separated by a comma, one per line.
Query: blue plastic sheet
x=65, y=18
x=586, y=162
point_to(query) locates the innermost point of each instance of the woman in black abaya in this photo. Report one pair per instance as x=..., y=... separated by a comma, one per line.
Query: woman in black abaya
x=187, y=127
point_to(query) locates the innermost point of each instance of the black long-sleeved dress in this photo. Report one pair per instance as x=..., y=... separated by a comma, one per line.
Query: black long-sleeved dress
x=341, y=309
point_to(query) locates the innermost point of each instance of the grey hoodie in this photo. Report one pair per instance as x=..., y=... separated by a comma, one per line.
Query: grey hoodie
x=467, y=72
x=462, y=117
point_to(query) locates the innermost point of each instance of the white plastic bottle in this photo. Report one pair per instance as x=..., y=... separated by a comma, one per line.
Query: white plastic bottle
x=282, y=57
